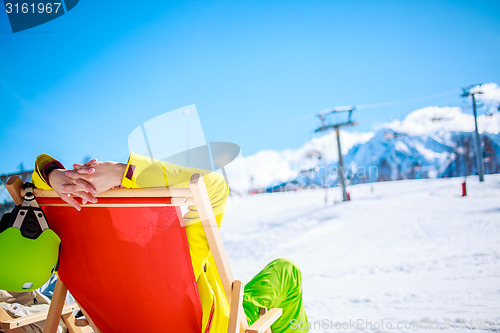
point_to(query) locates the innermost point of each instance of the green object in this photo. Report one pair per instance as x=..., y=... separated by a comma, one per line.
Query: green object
x=278, y=285
x=26, y=264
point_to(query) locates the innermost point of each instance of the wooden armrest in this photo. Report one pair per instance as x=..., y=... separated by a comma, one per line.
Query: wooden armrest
x=264, y=322
x=36, y=317
x=236, y=301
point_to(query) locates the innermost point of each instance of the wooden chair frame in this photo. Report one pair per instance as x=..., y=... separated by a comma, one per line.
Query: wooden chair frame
x=15, y=325
x=196, y=195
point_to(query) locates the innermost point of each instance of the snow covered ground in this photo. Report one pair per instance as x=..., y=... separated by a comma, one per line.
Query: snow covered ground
x=401, y=256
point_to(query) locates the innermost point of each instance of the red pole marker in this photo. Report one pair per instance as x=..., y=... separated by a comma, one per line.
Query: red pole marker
x=348, y=196
x=464, y=189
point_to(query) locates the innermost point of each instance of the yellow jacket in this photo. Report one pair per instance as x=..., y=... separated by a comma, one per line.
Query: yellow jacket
x=145, y=172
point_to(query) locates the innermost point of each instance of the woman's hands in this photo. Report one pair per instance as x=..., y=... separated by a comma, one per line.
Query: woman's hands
x=102, y=175
x=65, y=187
x=86, y=180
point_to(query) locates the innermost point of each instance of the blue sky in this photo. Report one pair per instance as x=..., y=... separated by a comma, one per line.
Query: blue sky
x=257, y=71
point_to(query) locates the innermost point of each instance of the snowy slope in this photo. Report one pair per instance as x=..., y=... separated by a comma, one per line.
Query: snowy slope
x=402, y=251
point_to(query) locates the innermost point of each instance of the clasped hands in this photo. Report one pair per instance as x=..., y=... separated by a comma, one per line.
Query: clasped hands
x=86, y=180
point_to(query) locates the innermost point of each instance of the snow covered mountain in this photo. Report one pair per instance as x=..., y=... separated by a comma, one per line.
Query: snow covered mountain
x=391, y=155
x=431, y=142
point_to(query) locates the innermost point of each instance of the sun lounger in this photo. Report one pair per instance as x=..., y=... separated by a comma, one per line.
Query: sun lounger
x=126, y=261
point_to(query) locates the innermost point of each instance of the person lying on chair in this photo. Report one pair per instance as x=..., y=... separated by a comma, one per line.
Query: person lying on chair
x=278, y=285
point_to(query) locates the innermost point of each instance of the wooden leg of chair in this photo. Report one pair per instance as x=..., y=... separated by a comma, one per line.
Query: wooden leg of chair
x=243, y=320
x=200, y=196
x=236, y=301
x=237, y=319
x=56, y=307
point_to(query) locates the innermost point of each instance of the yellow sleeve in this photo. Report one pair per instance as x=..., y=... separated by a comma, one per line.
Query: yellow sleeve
x=38, y=178
x=142, y=172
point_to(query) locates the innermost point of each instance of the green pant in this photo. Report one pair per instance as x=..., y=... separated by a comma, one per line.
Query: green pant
x=278, y=285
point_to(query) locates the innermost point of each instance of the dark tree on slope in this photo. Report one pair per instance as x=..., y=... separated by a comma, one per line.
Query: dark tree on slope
x=491, y=162
x=384, y=171
x=469, y=153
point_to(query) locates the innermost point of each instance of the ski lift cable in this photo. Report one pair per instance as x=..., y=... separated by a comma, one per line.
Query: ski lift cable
x=358, y=107
x=381, y=105
x=407, y=101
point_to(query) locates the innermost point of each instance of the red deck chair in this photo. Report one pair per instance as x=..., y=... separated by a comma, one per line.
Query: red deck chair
x=126, y=261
